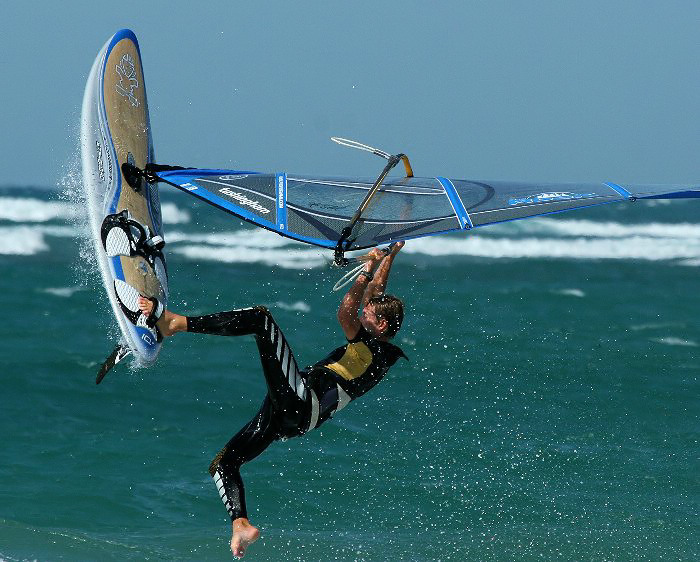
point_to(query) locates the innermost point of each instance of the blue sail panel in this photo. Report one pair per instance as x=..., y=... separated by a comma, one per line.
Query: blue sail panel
x=251, y=196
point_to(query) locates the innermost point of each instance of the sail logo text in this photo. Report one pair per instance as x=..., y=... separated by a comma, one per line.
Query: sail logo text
x=243, y=200
x=545, y=197
x=280, y=192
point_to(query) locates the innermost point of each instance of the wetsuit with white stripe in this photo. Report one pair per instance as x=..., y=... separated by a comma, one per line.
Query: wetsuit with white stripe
x=296, y=401
x=350, y=371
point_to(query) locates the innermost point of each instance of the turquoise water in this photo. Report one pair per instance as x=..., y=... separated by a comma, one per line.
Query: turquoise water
x=549, y=409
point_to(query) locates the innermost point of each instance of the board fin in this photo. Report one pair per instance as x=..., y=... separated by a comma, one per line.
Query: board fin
x=119, y=353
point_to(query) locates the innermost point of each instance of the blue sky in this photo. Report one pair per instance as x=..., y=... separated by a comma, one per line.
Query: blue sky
x=538, y=90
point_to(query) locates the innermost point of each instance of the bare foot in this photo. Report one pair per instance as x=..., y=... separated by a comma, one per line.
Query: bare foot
x=169, y=323
x=145, y=306
x=244, y=534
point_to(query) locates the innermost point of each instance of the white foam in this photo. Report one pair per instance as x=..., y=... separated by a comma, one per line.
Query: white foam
x=557, y=240
x=285, y=258
x=637, y=247
x=64, y=292
x=21, y=241
x=28, y=209
x=32, y=210
x=249, y=238
x=654, y=326
x=30, y=240
x=675, y=341
x=248, y=246
x=657, y=202
x=596, y=229
x=571, y=293
x=172, y=214
x=547, y=238
x=298, y=306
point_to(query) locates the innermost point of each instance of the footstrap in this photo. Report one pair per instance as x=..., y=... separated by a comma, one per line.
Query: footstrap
x=123, y=236
x=156, y=313
x=128, y=299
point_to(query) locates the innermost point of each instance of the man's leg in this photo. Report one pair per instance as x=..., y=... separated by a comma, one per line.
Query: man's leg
x=284, y=412
x=286, y=401
x=281, y=371
x=286, y=387
x=247, y=444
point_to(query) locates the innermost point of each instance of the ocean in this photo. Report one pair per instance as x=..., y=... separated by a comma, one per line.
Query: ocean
x=548, y=410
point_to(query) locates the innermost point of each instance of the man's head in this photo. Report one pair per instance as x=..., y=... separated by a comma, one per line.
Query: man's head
x=383, y=315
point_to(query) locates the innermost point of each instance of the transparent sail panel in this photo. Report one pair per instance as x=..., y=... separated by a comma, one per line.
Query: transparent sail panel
x=317, y=209
x=491, y=202
x=403, y=207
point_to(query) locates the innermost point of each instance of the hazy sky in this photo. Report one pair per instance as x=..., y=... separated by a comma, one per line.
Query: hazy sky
x=536, y=90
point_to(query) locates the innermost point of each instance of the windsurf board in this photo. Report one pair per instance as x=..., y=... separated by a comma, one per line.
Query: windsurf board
x=125, y=219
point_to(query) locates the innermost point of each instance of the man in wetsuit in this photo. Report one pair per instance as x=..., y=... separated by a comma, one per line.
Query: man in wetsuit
x=298, y=401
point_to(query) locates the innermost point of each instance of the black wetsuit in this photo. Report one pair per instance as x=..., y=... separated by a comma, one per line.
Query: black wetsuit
x=297, y=401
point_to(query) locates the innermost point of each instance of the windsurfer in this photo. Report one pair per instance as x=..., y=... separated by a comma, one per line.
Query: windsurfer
x=299, y=400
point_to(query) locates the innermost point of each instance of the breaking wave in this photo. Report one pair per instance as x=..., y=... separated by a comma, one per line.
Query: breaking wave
x=28, y=209
x=28, y=226
x=33, y=210
x=635, y=247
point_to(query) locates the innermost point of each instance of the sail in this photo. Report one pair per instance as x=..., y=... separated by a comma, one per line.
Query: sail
x=316, y=209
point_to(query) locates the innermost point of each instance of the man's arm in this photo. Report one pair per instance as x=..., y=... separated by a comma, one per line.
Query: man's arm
x=377, y=286
x=350, y=305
